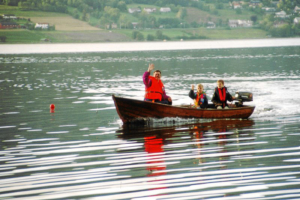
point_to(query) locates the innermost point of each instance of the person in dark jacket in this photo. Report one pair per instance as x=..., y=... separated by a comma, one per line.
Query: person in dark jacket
x=200, y=99
x=221, y=96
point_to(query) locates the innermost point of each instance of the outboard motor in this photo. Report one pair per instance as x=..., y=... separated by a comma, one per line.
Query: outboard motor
x=242, y=97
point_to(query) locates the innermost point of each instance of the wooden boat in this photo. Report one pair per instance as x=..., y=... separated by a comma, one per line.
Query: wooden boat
x=131, y=110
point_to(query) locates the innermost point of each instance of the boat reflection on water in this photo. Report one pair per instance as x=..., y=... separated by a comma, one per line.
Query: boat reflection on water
x=172, y=153
x=130, y=131
x=155, y=137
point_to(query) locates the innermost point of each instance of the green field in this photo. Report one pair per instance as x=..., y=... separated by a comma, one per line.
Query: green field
x=16, y=11
x=218, y=33
x=15, y=36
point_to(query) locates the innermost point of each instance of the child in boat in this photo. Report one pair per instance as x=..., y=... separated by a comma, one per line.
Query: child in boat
x=200, y=99
x=221, y=96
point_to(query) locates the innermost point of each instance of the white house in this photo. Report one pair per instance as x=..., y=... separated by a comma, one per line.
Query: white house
x=236, y=5
x=233, y=23
x=165, y=9
x=269, y=9
x=245, y=23
x=135, y=24
x=210, y=25
x=297, y=9
x=240, y=23
x=150, y=10
x=134, y=10
x=254, y=3
x=297, y=20
x=41, y=25
x=281, y=14
x=9, y=16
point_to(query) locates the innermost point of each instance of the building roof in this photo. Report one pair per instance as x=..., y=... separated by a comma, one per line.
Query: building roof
x=8, y=23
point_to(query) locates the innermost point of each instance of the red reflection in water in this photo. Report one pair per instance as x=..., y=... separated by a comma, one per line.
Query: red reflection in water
x=154, y=145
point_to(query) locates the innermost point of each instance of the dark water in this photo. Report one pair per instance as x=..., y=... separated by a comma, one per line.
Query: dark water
x=82, y=150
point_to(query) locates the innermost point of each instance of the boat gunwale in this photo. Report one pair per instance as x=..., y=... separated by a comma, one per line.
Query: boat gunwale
x=182, y=106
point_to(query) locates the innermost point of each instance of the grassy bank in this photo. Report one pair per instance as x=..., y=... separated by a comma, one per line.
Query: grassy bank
x=218, y=33
x=23, y=36
x=15, y=36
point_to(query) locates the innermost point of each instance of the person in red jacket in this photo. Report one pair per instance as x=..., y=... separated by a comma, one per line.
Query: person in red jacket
x=221, y=96
x=154, y=87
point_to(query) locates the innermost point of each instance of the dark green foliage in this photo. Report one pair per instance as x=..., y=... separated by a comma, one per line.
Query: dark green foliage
x=3, y=38
x=150, y=37
x=136, y=35
x=169, y=22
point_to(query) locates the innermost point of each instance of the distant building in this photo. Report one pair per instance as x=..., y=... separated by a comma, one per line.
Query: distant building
x=41, y=25
x=281, y=14
x=233, y=23
x=8, y=25
x=150, y=10
x=269, y=10
x=114, y=26
x=210, y=25
x=297, y=9
x=135, y=24
x=111, y=26
x=297, y=20
x=236, y=5
x=240, y=23
x=275, y=3
x=165, y=9
x=9, y=16
x=245, y=23
x=134, y=10
x=254, y=3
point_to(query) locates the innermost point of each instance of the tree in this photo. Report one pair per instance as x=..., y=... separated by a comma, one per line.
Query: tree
x=253, y=18
x=3, y=38
x=122, y=6
x=112, y=13
x=238, y=11
x=159, y=35
x=124, y=20
x=150, y=37
x=12, y=2
x=134, y=34
x=140, y=36
x=288, y=5
x=182, y=13
x=282, y=31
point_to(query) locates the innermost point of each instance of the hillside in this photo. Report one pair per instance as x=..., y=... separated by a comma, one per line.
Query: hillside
x=188, y=20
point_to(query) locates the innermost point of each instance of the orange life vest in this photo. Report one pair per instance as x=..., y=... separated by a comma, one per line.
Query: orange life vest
x=196, y=101
x=155, y=91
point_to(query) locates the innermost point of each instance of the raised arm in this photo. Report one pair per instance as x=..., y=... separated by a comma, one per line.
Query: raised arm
x=146, y=75
x=147, y=81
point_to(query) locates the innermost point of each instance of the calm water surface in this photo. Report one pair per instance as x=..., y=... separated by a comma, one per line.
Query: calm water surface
x=82, y=150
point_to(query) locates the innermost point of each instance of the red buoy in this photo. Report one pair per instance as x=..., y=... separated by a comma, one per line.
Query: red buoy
x=52, y=106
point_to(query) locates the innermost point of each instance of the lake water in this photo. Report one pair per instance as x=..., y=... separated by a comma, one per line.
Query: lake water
x=82, y=150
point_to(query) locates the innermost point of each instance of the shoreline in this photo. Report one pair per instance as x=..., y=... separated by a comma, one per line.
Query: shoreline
x=144, y=46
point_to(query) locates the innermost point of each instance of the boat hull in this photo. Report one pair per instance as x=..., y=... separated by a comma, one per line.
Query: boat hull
x=130, y=110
